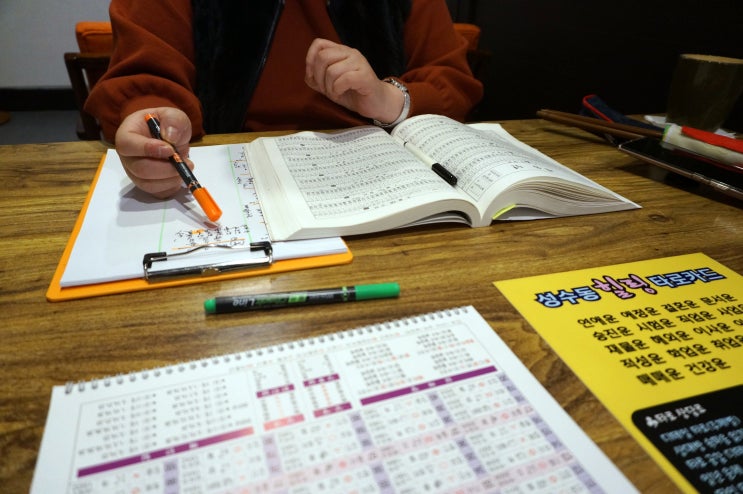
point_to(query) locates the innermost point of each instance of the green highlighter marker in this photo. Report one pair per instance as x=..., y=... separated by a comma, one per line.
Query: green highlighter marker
x=224, y=305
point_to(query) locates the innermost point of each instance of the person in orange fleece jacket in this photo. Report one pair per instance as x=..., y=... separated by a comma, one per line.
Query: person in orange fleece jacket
x=206, y=66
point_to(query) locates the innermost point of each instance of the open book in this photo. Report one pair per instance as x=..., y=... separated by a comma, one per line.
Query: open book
x=364, y=180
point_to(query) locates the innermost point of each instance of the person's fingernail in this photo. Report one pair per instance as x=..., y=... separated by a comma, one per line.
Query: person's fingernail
x=172, y=134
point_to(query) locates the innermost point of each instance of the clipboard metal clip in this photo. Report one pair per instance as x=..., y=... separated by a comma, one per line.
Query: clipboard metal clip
x=153, y=273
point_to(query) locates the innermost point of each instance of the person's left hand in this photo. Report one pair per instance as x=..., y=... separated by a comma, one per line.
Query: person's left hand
x=344, y=75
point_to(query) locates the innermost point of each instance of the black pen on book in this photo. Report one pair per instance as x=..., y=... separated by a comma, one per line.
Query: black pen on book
x=440, y=170
x=201, y=195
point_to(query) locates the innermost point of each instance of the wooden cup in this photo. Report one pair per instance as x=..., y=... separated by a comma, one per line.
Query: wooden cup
x=704, y=90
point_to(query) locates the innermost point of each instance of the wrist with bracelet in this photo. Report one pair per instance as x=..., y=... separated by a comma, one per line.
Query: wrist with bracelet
x=405, y=106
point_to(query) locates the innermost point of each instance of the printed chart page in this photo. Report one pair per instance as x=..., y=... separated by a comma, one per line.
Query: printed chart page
x=432, y=403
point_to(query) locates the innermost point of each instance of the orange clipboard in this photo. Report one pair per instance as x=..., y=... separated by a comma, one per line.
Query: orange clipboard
x=57, y=293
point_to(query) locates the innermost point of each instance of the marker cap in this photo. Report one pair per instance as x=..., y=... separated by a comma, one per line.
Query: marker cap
x=210, y=306
x=207, y=204
x=378, y=290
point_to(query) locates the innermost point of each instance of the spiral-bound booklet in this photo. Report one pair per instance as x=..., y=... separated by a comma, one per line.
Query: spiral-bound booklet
x=431, y=403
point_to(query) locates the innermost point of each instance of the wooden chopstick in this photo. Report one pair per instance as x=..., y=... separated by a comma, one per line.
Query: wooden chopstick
x=595, y=124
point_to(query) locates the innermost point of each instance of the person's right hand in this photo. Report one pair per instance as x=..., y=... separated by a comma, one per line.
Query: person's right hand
x=145, y=158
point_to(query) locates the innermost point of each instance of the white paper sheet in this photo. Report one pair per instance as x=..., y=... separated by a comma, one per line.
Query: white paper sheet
x=123, y=223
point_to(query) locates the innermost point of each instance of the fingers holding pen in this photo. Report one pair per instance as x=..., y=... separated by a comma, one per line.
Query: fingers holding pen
x=145, y=158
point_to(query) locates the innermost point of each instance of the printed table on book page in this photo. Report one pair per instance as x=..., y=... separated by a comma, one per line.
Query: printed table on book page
x=660, y=343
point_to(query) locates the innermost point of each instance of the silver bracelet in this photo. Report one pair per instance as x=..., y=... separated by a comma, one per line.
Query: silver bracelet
x=405, y=106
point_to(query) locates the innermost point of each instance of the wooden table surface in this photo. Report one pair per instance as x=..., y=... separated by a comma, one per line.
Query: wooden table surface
x=45, y=344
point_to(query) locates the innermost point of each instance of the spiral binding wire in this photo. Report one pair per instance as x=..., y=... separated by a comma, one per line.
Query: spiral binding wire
x=121, y=379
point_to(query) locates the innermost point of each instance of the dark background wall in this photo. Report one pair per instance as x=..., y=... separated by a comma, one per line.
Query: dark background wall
x=551, y=53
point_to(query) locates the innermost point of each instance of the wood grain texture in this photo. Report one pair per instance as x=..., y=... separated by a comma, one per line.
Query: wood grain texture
x=45, y=344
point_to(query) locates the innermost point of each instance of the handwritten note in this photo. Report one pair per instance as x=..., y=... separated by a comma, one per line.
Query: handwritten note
x=123, y=223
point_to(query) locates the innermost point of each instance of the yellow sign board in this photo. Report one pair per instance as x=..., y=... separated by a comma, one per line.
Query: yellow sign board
x=660, y=343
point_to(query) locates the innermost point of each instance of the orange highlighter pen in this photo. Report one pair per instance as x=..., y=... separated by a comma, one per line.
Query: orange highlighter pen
x=201, y=195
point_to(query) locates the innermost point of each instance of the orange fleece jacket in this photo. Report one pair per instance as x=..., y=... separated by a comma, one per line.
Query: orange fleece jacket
x=152, y=65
